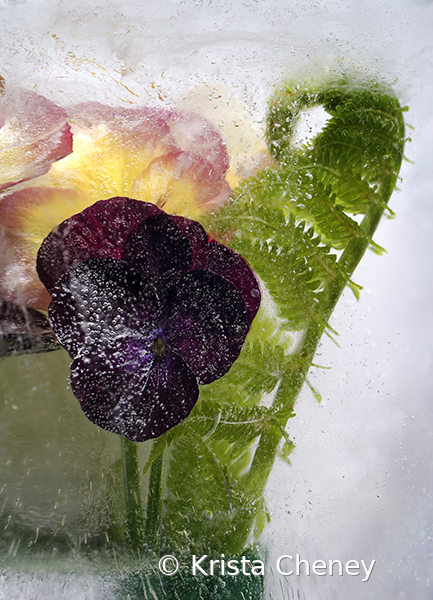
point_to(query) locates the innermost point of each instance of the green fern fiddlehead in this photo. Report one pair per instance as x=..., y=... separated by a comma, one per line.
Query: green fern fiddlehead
x=295, y=225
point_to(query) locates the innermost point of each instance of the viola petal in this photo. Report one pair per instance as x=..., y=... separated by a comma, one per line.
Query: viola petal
x=242, y=133
x=140, y=124
x=194, y=231
x=159, y=251
x=26, y=218
x=206, y=323
x=232, y=266
x=209, y=255
x=181, y=183
x=111, y=146
x=34, y=133
x=97, y=232
x=140, y=404
x=101, y=301
x=114, y=148
x=197, y=136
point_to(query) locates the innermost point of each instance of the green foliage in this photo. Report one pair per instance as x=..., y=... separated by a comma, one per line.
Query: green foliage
x=288, y=257
x=295, y=223
x=256, y=372
x=342, y=170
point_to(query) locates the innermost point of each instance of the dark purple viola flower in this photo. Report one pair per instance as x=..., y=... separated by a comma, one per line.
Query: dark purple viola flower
x=97, y=232
x=147, y=313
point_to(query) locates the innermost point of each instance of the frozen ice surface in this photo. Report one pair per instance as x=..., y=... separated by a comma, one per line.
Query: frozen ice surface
x=55, y=586
x=360, y=481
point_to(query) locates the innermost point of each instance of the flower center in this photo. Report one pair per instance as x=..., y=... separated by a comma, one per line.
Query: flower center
x=158, y=346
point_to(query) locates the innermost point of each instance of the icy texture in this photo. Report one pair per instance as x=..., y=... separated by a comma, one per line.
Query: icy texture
x=34, y=133
x=97, y=232
x=24, y=330
x=173, y=159
x=146, y=312
x=167, y=48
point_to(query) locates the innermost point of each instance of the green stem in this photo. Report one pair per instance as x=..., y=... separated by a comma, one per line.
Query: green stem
x=154, y=504
x=295, y=375
x=134, y=506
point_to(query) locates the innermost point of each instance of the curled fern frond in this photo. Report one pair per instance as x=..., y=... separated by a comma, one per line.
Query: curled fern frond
x=303, y=224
